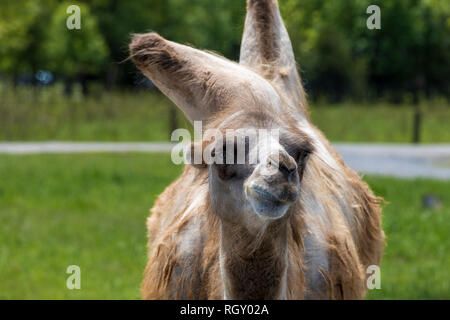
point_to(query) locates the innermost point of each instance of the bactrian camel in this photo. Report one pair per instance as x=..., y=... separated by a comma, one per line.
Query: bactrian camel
x=227, y=231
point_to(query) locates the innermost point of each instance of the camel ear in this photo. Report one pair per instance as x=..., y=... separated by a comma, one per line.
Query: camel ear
x=267, y=49
x=199, y=83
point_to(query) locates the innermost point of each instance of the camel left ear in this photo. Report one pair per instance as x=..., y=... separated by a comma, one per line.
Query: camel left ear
x=199, y=83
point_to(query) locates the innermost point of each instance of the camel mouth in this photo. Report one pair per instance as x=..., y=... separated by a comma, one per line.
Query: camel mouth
x=288, y=195
x=264, y=193
x=264, y=203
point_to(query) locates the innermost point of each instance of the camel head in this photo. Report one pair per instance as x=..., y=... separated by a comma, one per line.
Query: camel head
x=257, y=94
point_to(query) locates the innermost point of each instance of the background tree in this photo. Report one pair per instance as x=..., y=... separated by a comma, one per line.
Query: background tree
x=22, y=31
x=340, y=58
x=75, y=54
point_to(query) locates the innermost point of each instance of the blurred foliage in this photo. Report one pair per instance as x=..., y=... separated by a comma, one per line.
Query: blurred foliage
x=81, y=51
x=22, y=28
x=339, y=57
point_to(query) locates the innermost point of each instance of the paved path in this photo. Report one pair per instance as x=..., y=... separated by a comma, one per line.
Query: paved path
x=81, y=147
x=407, y=161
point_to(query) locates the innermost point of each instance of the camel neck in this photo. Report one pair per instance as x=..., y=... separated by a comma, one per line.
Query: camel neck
x=254, y=266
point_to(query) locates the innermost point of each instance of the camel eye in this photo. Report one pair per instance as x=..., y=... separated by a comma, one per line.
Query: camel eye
x=299, y=150
x=226, y=171
x=295, y=152
x=300, y=156
x=236, y=168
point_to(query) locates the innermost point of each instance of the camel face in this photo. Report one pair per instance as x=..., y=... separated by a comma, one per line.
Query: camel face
x=268, y=181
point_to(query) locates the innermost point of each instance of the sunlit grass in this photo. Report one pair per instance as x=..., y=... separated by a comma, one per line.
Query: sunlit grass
x=417, y=255
x=145, y=115
x=381, y=123
x=46, y=114
x=86, y=210
x=90, y=210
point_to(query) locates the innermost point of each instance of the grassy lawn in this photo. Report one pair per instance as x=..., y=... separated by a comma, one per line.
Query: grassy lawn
x=381, y=123
x=145, y=116
x=111, y=116
x=417, y=256
x=90, y=210
x=87, y=210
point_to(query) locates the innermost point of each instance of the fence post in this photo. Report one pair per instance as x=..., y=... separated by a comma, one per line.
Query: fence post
x=416, y=126
x=173, y=121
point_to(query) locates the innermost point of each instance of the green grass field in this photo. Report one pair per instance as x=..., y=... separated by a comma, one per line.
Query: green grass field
x=90, y=210
x=27, y=115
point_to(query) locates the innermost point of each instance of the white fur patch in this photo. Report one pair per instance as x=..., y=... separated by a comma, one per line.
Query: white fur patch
x=196, y=202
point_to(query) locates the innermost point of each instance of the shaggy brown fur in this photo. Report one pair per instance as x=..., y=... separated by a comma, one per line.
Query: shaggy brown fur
x=173, y=272
x=329, y=236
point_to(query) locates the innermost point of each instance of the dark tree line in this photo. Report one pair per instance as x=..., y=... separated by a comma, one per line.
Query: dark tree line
x=338, y=55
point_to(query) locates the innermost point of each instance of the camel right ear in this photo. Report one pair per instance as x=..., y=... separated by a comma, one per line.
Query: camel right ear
x=199, y=83
x=266, y=48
